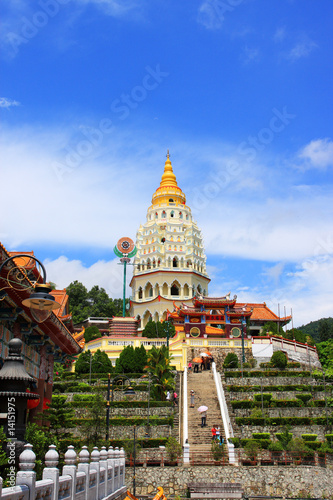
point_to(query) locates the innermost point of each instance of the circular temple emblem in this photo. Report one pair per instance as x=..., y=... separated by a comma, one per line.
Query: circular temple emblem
x=235, y=332
x=125, y=245
x=195, y=332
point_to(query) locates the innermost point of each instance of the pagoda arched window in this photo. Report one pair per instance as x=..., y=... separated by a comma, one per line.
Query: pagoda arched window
x=181, y=248
x=138, y=267
x=175, y=262
x=154, y=262
x=163, y=214
x=172, y=213
x=186, y=216
x=175, y=248
x=162, y=240
x=170, y=200
x=171, y=238
x=174, y=290
x=156, y=215
x=159, y=262
x=170, y=248
x=148, y=264
x=180, y=215
x=140, y=293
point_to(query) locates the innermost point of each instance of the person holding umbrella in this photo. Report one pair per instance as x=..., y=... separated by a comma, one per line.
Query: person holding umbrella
x=203, y=410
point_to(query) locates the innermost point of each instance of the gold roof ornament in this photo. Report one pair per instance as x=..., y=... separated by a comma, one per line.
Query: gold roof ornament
x=168, y=188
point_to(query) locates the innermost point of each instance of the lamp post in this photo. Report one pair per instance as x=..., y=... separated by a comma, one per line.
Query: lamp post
x=129, y=392
x=40, y=302
x=134, y=459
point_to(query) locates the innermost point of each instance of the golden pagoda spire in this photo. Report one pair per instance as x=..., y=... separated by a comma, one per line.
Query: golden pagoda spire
x=168, y=178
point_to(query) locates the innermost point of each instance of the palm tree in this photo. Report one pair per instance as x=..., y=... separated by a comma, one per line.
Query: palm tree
x=159, y=368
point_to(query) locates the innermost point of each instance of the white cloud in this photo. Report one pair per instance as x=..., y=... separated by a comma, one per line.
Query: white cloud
x=301, y=49
x=115, y=8
x=209, y=15
x=279, y=35
x=318, y=153
x=250, y=54
x=8, y=103
x=107, y=275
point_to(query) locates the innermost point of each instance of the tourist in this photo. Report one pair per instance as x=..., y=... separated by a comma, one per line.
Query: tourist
x=203, y=418
x=175, y=396
x=196, y=368
x=218, y=434
x=192, y=399
x=202, y=363
x=190, y=366
x=214, y=432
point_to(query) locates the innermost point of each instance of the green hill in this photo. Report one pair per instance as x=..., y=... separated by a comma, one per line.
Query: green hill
x=313, y=328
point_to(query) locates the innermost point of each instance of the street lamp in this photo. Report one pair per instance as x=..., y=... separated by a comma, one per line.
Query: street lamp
x=129, y=392
x=40, y=302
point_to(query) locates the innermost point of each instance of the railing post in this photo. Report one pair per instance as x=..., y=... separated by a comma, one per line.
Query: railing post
x=51, y=470
x=111, y=464
x=95, y=466
x=116, y=467
x=26, y=475
x=186, y=454
x=83, y=466
x=122, y=461
x=70, y=468
x=103, y=462
x=0, y=487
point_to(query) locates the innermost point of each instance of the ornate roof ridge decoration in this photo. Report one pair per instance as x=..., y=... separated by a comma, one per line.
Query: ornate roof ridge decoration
x=200, y=299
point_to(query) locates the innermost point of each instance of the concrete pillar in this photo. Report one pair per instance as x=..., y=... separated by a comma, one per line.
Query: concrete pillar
x=51, y=470
x=26, y=475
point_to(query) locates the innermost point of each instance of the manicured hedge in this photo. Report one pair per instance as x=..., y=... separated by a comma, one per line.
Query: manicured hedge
x=264, y=374
x=283, y=421
x=276, y=388
x=130, y=421
x=309, y=437
x=144, y=443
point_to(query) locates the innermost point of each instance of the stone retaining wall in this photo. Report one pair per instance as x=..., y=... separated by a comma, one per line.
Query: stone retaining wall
x=245, y=431
x=301, y=411
x=289, y=481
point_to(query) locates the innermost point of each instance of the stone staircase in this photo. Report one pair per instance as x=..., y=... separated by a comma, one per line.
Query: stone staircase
x=203, y=385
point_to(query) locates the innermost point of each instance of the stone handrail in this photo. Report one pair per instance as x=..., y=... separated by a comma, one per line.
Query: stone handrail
x=98, y=476
x=228, y=430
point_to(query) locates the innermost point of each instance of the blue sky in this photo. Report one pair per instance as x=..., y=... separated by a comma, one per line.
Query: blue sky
x=94, y=92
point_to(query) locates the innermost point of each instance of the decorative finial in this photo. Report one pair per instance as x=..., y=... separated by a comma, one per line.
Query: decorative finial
x=168, y=154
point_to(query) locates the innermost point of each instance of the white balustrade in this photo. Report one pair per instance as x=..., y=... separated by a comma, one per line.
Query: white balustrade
x=99, y=476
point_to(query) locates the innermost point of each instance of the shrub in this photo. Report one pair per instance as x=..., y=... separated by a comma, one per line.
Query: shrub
x=253, y=362
x=265, y=397
x=261, y=435
x=251, y=449
x=217, y=450
x=279, y=360
x=173, y=448
x=284, y=437
x=231, y=360
x=309, y=437
x=275, y=446
x=329, y=439
x=304, y=397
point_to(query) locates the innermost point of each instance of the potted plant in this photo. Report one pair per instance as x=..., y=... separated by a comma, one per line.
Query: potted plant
x=217, y=450
x=297, y=449
x=276, y=449
x=251, y=450
x=173, y=450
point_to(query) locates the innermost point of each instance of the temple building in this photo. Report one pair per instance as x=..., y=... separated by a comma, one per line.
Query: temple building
x=45, y=342
x=170, y=264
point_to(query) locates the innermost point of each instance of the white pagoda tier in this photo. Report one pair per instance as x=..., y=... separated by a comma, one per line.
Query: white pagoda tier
x=170, y=264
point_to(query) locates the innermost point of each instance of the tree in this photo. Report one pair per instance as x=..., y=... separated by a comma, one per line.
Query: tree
x=78, y=301
x=101, y=363
x=156, y=329
x=279, y=360
x=159, y=368
x=271, y=327
x=95, y=425
x=91, y=333
x=131, y=360
x=60, y=415
x=325, y=330
x=231, y=360
x=82, y=364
